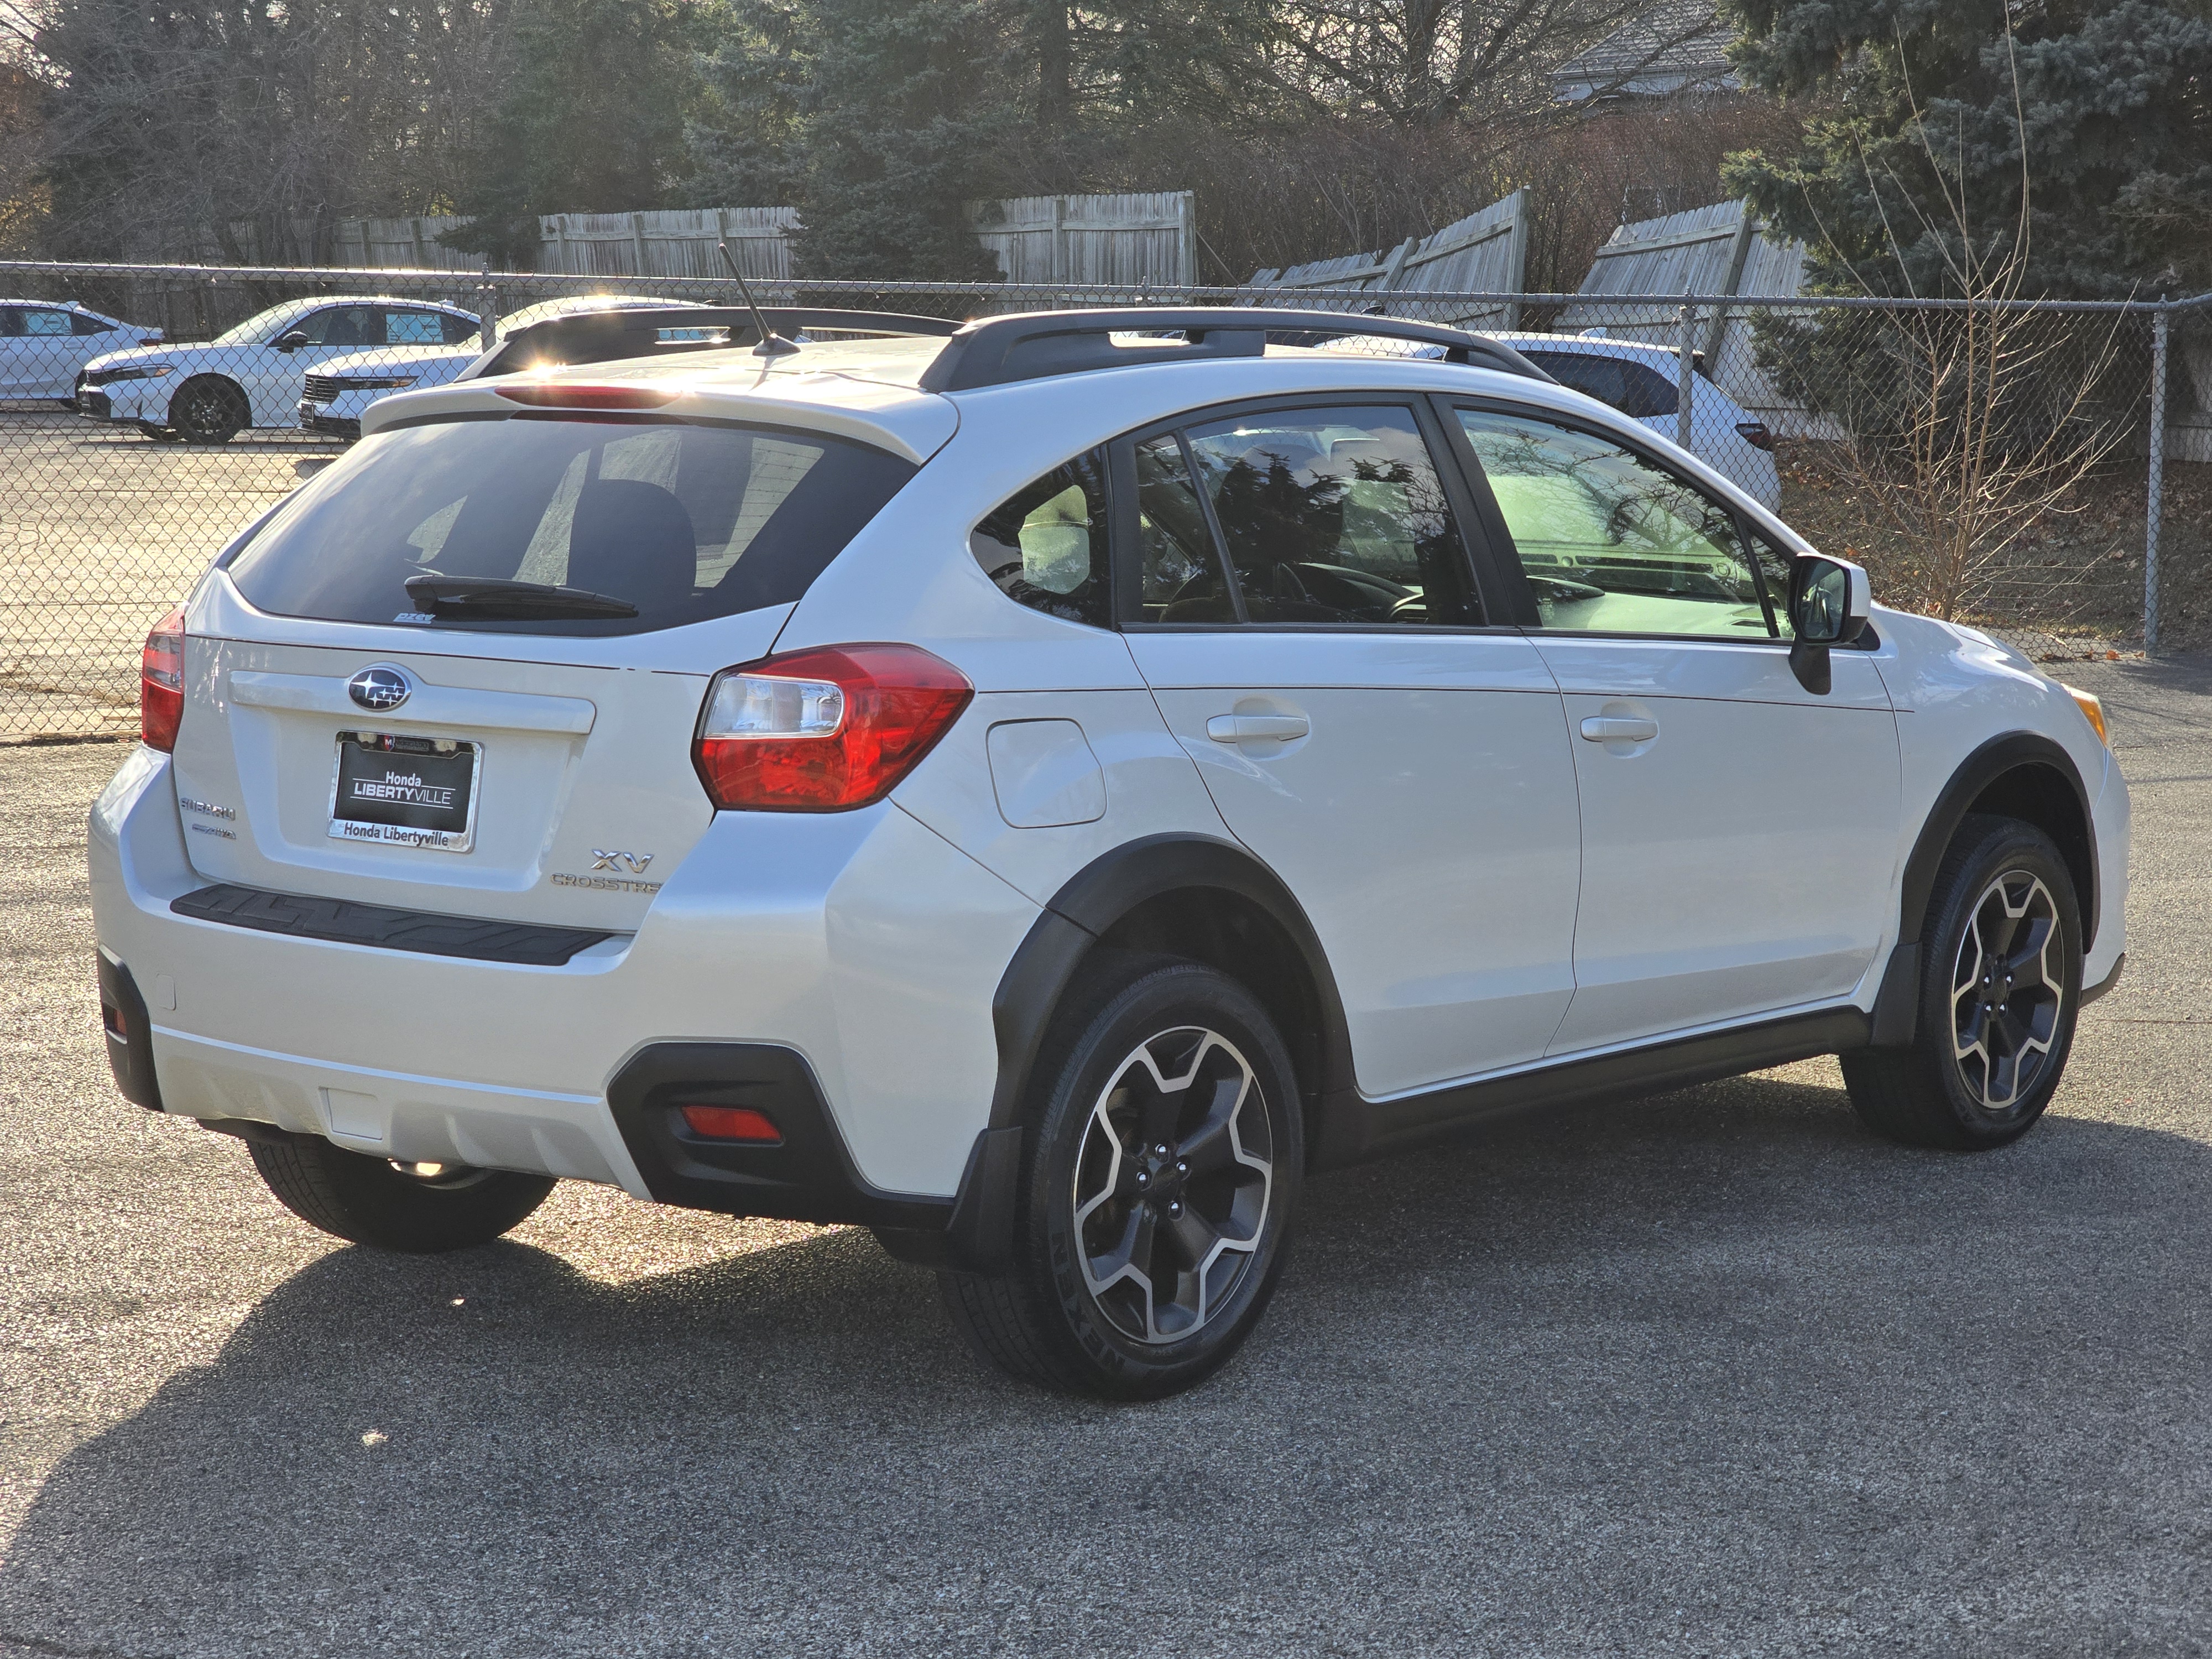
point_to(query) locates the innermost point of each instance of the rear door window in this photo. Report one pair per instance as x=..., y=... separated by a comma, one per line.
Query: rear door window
x=46, y=324
x=1334, y=515
x=1180, y=568
x=1636, y=389
x=686, y=521
x=415, y=328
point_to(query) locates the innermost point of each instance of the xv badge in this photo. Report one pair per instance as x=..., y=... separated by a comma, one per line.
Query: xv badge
x=633, y=862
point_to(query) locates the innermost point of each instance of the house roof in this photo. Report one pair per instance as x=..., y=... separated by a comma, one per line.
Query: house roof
x=1669, y=45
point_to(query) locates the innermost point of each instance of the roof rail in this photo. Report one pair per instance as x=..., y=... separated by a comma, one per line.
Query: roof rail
x=1032, y=344
x=601, y=336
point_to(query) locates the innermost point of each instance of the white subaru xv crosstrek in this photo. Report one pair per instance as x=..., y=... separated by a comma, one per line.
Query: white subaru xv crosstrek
x=1041, y=791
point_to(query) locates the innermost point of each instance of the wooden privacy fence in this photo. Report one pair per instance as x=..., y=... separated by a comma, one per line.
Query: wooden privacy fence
x=668, y=242
x=1139, y=239
x=409, y=244
x=1485, y=253
x=1720, y=250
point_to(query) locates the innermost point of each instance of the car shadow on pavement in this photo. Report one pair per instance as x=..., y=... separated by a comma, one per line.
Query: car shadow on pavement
x=1715, y=1371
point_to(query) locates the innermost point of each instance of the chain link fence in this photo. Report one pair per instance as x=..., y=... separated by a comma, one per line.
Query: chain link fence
x=2003, y=464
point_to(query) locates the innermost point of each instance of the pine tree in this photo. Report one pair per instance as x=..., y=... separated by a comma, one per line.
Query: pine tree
x=592, y=119
x=907, y=107
x=2110, y=101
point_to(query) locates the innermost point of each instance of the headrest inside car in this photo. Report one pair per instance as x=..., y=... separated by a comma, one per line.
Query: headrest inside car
x=633, y=540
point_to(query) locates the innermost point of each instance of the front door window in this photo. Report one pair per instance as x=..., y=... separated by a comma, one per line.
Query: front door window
x=1613, y=542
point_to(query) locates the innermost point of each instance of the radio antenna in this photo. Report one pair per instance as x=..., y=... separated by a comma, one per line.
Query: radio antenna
x=772, y=344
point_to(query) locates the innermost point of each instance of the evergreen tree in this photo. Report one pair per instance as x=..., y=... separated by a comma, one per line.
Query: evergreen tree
x=591, y=119
x=745, y=137
x=877, y=119
x=2100, y=110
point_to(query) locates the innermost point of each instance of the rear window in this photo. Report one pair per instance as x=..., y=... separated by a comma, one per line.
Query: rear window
x=1636, y=389
x=684, y=521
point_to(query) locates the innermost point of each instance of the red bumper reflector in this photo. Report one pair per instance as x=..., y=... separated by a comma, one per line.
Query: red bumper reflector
x=733, y=1123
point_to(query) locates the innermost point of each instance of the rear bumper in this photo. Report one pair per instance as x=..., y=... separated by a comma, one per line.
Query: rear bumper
x=859, y=944
x=807, y=1175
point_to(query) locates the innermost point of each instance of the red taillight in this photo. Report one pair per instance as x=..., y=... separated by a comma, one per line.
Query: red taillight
x=1755, y=434
x=823, y=730
x=733, y=1123
x=161, y=683
x=562, y=394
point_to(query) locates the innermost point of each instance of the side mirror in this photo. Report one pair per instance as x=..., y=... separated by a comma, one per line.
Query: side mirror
x=291, y=343
x=1829, y=604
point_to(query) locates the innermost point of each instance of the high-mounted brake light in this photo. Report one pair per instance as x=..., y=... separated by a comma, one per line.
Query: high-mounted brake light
x=563, y=394
x=161, y=683
x=823, y=730
x=1755, y=434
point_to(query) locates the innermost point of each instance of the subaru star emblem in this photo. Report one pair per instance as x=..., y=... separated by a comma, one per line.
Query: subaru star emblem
x=379, y=688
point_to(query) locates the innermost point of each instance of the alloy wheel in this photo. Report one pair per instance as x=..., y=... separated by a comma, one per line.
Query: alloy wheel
x=1171, y=1184
x=207, y=411
x=2007, y=991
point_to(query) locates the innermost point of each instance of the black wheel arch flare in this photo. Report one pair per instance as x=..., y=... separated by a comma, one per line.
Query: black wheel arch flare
x=2031, y=777
x=1114, y=886
x=1080, y=918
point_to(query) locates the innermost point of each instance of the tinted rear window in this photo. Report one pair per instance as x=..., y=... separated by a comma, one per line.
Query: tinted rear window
x=1635, y=389
x=685, y=521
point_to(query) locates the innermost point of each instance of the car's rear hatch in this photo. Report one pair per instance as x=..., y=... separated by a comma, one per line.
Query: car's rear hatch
x=569, y=783
x=514, y=753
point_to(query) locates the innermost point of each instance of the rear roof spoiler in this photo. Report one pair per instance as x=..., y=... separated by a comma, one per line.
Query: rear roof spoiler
x=602, y=337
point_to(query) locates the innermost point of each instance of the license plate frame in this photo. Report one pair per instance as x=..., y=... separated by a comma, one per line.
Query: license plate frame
x=436, y=832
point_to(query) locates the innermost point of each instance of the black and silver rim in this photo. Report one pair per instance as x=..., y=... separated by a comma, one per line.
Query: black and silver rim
x=2008, y=988
x=1171, y=1184
x=205, y=410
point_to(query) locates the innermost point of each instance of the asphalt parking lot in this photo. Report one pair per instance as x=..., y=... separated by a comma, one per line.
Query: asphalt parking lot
x=1712, y=1373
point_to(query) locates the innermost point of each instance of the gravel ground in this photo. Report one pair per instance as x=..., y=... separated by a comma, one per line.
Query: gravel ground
x=1712, y=1373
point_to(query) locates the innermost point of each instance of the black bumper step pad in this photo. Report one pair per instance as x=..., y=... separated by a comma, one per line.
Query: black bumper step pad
x=423, y=932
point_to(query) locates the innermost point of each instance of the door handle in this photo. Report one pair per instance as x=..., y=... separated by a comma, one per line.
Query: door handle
x=1256, y=728
x=1619, y=728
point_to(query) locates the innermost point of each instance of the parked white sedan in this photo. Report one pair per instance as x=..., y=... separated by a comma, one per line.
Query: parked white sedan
x=44, y=345
x=253, y=376
x=340, y=391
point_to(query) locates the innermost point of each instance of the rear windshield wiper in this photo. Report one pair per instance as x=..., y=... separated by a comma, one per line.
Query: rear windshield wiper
x=489, y=599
